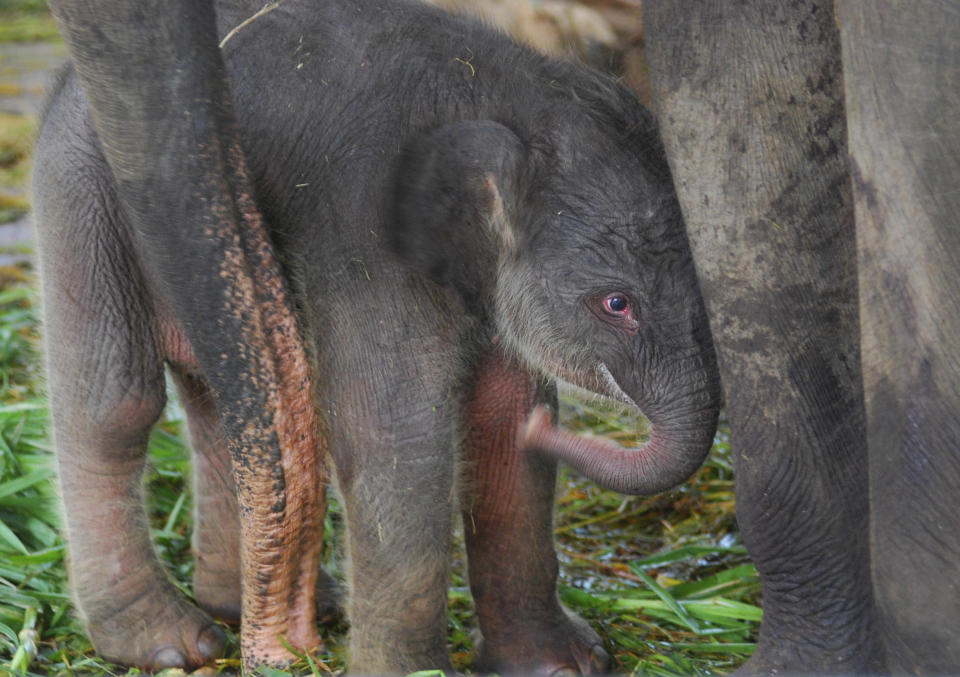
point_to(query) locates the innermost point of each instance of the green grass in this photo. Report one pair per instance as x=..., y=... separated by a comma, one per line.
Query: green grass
x=19, y=26
x=664, y=580
x=26, y=21
x=16, y=144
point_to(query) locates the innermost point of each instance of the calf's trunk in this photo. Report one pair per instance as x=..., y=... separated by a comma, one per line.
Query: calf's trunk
x=678, y=444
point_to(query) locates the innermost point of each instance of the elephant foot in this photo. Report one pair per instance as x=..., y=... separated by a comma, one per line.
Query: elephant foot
x=782, y=660
x=559, y=647
x=763, y=662
x=155, y=628
x=789, y=655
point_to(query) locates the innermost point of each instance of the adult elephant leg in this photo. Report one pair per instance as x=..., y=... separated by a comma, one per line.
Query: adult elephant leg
x=155, y=83
x=749, y=96
x=902, y=75
x=508, y=525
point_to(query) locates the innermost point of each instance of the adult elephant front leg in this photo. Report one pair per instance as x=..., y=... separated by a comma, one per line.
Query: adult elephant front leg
x=750, y=101
x=901, y=65
x=508, y=526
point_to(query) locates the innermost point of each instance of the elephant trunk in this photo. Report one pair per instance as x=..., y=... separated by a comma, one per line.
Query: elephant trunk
x=677, y=446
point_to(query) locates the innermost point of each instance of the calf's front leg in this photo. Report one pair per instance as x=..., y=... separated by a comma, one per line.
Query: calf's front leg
x=508, y=524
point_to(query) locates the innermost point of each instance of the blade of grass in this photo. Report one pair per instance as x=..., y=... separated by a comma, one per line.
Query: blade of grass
x=10, y=538
x=668, y=599
x=23, y=482
x=718, y=647
x=745, y=574
x=175, y=513
x=54, y=554
x=683, y=553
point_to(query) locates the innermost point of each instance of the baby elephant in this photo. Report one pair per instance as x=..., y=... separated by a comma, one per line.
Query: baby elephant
x=461, y=223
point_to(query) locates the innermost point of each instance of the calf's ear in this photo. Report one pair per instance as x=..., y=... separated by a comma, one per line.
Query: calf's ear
x=455, y=190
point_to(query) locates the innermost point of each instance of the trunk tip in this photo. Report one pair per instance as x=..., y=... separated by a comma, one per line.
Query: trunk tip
x=539, y=421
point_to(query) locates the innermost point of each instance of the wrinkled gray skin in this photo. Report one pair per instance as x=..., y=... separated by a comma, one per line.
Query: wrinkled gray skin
x=817, y=169
x=160, y=106
x=454, y=215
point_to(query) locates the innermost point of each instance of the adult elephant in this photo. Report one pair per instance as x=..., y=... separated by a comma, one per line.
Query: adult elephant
x=831, y=275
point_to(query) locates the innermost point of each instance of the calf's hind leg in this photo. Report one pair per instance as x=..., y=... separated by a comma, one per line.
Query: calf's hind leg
x=106, y=390
x=508, y=524
x=217, y=584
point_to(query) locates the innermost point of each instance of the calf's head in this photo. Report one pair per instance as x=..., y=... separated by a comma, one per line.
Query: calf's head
x=565, y=230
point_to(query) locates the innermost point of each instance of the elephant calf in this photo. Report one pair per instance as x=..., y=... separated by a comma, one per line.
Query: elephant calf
x=460, y=222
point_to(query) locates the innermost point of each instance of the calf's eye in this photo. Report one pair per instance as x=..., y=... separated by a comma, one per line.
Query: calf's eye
x=615, y=309
x=616, y=304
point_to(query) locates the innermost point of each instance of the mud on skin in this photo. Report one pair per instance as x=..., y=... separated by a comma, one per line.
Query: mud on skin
x=455, y=236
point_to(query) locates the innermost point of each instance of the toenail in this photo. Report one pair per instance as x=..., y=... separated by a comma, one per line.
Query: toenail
x=211, y=642
x=167, y=657
x=599, y=659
